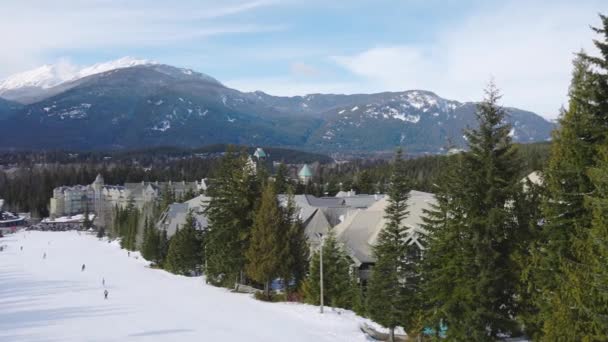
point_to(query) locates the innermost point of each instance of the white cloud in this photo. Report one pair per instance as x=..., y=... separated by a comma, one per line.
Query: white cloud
x=527, y=48
x=35, y=29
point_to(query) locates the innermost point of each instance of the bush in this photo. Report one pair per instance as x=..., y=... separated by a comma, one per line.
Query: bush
x=274, y=297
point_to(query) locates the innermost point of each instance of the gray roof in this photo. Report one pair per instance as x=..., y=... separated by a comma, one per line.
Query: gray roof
x=362, y=201
x=175, y=215
x=316, y=224
x=359, y=231
x=324, y=201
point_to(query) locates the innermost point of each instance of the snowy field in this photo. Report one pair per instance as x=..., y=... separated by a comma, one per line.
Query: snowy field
x=51, y=299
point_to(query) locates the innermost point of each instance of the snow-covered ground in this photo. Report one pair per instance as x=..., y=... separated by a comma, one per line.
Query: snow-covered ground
x=51, y=299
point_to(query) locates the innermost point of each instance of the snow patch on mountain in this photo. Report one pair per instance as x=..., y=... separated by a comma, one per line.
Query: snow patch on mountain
x=50, y=75
x=162, y=126
x=76, y=112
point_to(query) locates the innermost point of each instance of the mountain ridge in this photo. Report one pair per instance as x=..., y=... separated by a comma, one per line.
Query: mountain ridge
x=156, y=104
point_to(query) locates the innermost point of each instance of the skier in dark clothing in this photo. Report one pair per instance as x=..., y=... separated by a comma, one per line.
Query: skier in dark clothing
x=83, y=267
x=44, y=256
x=105, y=294
x=103, y=281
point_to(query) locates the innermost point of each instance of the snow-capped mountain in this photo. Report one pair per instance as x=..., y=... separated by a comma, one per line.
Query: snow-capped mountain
x=23, y=86
x=418, y=119
x=151, y=104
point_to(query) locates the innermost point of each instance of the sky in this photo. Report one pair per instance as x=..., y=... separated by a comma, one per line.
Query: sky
x=296, y=47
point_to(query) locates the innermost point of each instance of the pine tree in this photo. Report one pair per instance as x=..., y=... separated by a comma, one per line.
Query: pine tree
x=592, y=277
x=563, y=271
x=527, y=206
x=357, y=299
x=469, y=278
x=163, y=247
x=296, y=251
x=234, y=194
x=365, y=184
x=336, y=276
x=393, y=286
x=184, y=254
x=267, y=245
x=151, y=243
x=444, y=264
x=281, y=179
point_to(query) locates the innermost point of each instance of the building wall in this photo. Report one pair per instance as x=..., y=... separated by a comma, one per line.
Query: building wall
x=103, y=199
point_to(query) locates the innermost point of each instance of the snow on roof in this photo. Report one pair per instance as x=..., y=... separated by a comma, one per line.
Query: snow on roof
x=68, y=219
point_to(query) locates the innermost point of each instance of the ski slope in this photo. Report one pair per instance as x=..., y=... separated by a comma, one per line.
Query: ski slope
x=51, y=299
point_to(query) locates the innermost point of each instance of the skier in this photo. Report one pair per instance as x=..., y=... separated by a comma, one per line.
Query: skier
x=21, y=247
x=82, y=270
x=129, y=254
x=103, y=281
x=105, y=294
x=44, y=255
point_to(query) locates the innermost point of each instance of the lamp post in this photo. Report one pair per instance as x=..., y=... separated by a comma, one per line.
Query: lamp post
x=320, y=235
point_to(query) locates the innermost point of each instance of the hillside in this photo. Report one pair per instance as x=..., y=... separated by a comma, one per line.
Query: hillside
x=51, y=299
x=149, y=105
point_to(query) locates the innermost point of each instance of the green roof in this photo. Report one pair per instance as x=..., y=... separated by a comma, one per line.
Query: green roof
x=305, y=171
x=259, y=153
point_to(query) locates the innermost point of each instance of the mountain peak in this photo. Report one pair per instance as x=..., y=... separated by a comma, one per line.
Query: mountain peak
x=50, y=75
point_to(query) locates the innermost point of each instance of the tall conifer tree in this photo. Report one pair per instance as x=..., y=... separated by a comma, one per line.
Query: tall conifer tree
x=267, y=246
x=562, y=275
x=234, y=194
x=336, y=276
x=184, y=255
x=472, y=234
x=393, y=287
x=296, y=250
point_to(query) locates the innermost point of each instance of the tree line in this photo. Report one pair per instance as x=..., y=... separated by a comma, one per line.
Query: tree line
x=505, y=257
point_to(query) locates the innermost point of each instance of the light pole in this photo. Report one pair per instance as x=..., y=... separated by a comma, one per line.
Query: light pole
x=320, y=235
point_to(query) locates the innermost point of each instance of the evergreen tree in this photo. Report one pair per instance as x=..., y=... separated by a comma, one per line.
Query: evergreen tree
x=294, y=265
x=184, y=255
x=163, y=247
x=234, y=194
x=267, y=245
x=393, y=287
x=527, y=206
x=167, y=197
x=332, y=188
x=357, y=299
x=151, y=243
x=592, y=276
x=469, y=274
x=87, y=223
x=365, y=183
x=281, y=179
x=336, y=276
x=563, y=273
x=564, y=212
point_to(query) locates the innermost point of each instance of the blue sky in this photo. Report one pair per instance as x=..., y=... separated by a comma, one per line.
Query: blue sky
x=293, y=47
